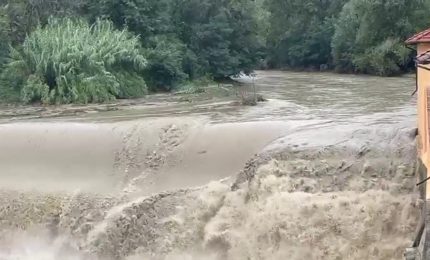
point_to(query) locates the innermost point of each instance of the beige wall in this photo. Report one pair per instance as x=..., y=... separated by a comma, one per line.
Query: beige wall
x=423, y=47
x=423, y=118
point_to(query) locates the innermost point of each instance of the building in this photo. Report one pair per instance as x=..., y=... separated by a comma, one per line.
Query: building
x=421, y=246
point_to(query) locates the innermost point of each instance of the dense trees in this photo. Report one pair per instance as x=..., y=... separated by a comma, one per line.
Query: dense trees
x=4, y=36
x=179, y=39
x=369, y=35
x=25, y=15
x=221, y=35
x=147, y=18
x=364, y=36
x=300, y=32
x=186, y=40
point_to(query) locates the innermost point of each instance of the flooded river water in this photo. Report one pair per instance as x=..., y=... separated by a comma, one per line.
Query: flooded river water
x=323, y=170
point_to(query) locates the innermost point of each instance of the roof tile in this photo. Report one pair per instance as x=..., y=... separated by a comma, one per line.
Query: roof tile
x=420, y=37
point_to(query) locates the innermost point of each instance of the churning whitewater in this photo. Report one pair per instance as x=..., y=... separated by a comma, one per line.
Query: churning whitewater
x=325, y=169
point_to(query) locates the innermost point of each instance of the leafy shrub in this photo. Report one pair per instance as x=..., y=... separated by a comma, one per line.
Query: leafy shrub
x=386, y=59
x=72, y=62
x=195, y=86
x=165, y=64
x=4, y=36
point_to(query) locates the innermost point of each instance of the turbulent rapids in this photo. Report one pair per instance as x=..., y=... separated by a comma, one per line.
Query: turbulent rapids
x=323, y=170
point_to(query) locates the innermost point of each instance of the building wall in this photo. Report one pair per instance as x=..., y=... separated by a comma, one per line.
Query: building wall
x=423, y=116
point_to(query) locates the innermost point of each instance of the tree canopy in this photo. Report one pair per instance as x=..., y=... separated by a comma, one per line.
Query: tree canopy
x=178, y=39
x=369, y=35
x=361, y=36
x=186, y=40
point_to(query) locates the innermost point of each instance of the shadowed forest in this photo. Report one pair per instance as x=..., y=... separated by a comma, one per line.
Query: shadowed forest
x=61, y=51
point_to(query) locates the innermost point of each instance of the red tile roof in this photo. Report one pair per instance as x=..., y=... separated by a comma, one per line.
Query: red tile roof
x=420, y=37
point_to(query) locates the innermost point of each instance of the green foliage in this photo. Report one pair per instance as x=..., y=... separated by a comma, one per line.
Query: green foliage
x=364, y=36
x=147, y=18
x=72, y=62
x=188, y=38
x=369, y=35
x=221, y=36
x=25, y=15
x=387, y=58
x=165, y=63
x=196, y=86
x=4, y=36
x=182, y=40
x=246, y=43
x=344, y=37
x=64, y=61
x=150, y=19
x=190, y=88
x=262, y=16
x=300, y=32
x=131, y=83
x=35, y=90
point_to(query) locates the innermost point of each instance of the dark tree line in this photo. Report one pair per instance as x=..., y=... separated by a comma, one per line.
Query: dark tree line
x=358, y=36
x=181, y=40
x=185, y=40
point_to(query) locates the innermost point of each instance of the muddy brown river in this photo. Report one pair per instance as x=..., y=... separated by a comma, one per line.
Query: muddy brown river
x=324, y=169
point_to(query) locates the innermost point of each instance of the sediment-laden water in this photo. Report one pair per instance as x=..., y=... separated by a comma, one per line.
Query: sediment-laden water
x=323, y=170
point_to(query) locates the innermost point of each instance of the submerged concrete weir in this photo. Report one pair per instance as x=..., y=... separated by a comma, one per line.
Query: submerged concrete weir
x=96, y=158
x=323, y=170
x=58, y=156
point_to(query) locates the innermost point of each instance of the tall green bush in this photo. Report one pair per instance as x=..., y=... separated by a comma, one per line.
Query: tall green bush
x=165, y=63
x=72, y=62
x=386, y=59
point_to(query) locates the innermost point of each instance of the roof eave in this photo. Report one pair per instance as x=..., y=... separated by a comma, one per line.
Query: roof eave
x=415, y=42
x=421, y=37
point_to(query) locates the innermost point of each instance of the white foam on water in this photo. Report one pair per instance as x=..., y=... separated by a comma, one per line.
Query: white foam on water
x=38, y=246
x=334, y=196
